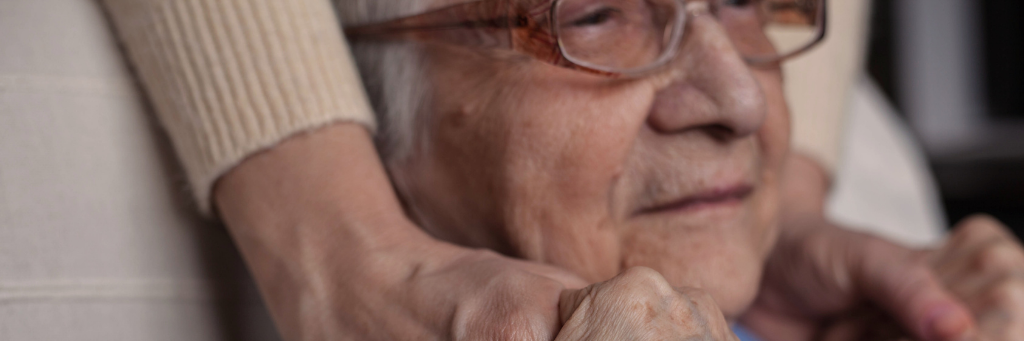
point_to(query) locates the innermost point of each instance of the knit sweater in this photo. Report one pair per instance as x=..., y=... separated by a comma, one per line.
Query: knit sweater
x=229, y=78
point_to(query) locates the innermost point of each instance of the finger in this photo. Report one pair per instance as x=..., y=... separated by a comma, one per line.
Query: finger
x=649, y=281
x=1000, y=326
x=999, y=306
x=908, y=289
x=567, y=279
x=863, y=324
x=571, y=300
x=640, y=304
x=976, y=236
x=702, y=307
x=996, y=255
x=993, y=256
x=973, y=288
x=971, y=233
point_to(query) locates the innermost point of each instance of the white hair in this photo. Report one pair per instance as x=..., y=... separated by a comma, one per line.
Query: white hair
x=393, y=74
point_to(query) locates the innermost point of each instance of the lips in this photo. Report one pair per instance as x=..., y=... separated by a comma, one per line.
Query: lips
x=723, y=196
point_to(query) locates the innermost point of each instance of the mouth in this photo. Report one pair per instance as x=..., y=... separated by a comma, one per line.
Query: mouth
x=714, y=198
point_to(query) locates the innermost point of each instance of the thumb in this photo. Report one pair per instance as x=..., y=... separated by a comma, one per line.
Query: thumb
x=906, y=287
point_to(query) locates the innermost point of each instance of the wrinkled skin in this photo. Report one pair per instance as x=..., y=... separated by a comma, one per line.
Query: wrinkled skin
x=549, y=164
x=598, y=176
x=846, y=286
x=582, y=171
x=645, y=307
x=983, y=264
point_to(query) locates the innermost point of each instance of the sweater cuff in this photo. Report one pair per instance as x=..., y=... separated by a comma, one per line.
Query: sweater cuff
x=229, y=78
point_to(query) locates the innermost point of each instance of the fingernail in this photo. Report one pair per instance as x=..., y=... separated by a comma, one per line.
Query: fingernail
x=947, y=323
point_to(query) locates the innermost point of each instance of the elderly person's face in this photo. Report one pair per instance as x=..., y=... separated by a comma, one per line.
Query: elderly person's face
x=677, y=171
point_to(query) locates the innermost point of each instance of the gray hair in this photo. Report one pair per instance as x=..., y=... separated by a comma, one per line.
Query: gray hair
x=393, y=74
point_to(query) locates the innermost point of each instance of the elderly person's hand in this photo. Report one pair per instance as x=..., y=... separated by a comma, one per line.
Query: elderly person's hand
x=983, y=265
x=826, y=281
x=640, y=304
x=829, y=283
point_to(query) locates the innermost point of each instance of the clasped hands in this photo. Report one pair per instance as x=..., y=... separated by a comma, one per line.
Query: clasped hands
x=828, y=284
x=832, y=285
x=821, y=283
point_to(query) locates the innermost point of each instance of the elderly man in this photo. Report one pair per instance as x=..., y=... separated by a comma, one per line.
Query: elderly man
x=637, y=146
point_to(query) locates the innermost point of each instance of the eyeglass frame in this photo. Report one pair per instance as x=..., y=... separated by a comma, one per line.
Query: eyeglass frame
x=421, y=26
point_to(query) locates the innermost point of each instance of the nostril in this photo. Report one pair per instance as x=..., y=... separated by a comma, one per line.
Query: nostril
x=719, y=132
x=687, y=108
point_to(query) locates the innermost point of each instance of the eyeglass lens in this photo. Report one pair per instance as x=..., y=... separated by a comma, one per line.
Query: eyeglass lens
x=628, y=35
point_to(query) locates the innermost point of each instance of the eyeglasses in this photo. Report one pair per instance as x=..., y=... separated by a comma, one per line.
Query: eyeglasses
x=616, y=38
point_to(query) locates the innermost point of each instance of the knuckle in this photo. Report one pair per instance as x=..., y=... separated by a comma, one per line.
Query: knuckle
x=1008, y=293
x=643, y=278
x=979, y=227
x=515, y=331
x=497, y=322
x=518, y=322
x=915, y=274
x=641, y=273
x=982, y=219
x=999, y=255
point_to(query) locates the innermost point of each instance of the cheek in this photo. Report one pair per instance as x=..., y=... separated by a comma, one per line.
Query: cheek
x=531, y=154
x=774, y=140
x=727, y=260
x=567, y=147
x=728, y=270
x=774, y=135
x=574, y=144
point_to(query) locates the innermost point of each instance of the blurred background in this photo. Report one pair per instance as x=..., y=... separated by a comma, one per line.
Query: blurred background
x=955, y=71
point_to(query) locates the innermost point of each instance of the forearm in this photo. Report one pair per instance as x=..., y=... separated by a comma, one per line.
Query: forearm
x=310, y=216
x=331, y=176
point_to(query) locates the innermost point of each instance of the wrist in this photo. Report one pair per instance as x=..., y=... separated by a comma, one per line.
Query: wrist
x=328, y=183
x=317, y=221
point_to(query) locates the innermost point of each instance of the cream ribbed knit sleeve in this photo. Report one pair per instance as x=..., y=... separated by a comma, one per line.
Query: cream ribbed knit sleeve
x=229, y=78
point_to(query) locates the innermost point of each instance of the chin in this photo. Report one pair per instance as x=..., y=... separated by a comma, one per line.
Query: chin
x=733, y=282
x=730, y=274
x=719, y=249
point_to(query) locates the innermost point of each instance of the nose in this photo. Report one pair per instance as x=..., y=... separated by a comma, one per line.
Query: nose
x=709, y=86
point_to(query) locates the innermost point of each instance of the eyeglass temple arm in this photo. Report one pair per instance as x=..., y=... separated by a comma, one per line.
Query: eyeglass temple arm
x=823, y=12
x=473, y=15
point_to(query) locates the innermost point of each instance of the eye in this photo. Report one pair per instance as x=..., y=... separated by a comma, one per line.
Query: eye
x=599, y=17
x=738, y=3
